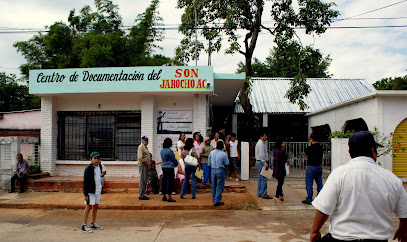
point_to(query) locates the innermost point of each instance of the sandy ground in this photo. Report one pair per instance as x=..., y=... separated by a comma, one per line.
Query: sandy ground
x=133, y=225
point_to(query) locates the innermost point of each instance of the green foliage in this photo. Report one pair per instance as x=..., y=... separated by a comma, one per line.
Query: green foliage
x=219, y=18
x=396, y=83
x=95, y=39
x=298, y=91
x=289, y=61
x=16, y=94
x=390, y=143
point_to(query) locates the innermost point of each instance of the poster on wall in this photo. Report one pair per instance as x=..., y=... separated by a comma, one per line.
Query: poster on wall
x=170, y=124
x=174, y=122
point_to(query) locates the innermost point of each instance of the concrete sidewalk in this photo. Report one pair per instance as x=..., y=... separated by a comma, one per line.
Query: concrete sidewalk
x=294, y=193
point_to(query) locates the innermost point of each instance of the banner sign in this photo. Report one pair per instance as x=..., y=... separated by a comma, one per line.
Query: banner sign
x=122, y=79
x=174, y=122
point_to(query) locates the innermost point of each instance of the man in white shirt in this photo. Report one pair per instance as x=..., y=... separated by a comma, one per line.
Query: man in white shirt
x=359, y=198
x=262, y=160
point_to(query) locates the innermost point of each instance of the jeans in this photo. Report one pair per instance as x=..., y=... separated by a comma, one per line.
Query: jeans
x=279, y=191
x=206, y=172
x=313, y=173
x=189, y=172
x=218, y=183
x=261, y=181
x=168, y=180
x=23, y=180
x=142, y=190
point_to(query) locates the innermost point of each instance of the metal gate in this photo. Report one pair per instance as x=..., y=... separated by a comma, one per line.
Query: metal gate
x=297, y=161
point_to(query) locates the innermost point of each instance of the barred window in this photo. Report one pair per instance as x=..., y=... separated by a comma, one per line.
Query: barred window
x=115, y=135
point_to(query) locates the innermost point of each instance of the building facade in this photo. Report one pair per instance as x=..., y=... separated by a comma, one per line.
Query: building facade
x=109, y=109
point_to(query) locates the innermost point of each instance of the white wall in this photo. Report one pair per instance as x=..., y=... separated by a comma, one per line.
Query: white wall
x=384, y=111
x=336, y=118
x=146, y=103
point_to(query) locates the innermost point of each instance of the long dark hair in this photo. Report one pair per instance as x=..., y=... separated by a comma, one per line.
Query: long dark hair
x=180, y=136
x=189, y=144
x=279, y=142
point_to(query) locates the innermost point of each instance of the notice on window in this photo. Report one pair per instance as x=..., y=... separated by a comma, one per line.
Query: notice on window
x=174, y=122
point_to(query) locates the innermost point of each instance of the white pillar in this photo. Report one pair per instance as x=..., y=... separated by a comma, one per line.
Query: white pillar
x=148, y=121
x=339, y=152
x=200, y=114
x=265, y=120
x=234, y=123
x=48, y=134
x=245, y=165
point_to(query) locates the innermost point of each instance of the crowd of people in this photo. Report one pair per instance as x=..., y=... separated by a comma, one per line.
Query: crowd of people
x=358, y=197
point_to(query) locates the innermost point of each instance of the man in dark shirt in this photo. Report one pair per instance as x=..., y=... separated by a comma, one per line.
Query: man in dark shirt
x=314, y=153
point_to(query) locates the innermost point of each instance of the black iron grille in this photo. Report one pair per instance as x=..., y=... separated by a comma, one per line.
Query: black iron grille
x=114, y=134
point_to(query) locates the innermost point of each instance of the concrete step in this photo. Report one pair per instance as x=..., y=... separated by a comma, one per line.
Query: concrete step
x=74, y=184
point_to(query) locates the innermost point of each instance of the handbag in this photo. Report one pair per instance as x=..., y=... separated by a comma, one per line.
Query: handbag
x=190, y=160
x=199, y=173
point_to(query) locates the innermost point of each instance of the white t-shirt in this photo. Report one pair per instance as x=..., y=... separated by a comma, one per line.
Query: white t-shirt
x=360, y=197
x=233, y=148
x=179, y=145
x=97, y=180
x=214, y=143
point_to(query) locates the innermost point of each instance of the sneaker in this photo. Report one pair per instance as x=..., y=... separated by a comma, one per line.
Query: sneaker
x=173, y=193
x=160, y=193
x=143, y=198
x=95, y=226
x=267, y=197
x=86, y=229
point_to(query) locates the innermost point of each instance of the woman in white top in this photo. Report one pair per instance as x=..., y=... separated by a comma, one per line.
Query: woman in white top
x=181, y=143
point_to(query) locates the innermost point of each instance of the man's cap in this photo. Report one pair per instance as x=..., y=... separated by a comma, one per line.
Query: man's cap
x=94, y=154
x=207, y=138
x=363, y=139
x=145, y=138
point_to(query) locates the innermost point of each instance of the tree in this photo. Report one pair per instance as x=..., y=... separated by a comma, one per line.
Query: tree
x=390, y=83
x=216, y=18
x=95, y=39
x=291, y=61
x=16, y=95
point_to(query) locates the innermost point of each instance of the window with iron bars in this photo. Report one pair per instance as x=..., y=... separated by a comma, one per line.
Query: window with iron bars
x=116, y=135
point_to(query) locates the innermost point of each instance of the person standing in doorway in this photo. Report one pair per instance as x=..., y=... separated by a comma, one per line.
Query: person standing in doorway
x=279, y=172
x=144, y=159
x=314, y=153
x=219, y=161
x=215, y=140
x=232, y=149
x=262, y=161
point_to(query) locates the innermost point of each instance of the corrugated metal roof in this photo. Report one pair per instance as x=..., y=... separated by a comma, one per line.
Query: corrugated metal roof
x=267, y=95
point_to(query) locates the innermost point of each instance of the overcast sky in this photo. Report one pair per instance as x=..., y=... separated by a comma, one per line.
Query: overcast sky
x=367, y=53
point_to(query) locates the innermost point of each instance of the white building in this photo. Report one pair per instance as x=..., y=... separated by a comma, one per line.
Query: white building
x=385, y=110
x=110, y=109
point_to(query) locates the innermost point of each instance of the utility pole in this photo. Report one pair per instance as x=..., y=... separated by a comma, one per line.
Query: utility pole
x=196, y=40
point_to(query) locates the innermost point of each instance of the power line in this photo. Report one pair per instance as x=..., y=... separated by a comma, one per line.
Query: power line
x=374, y=10
x=219, y=28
